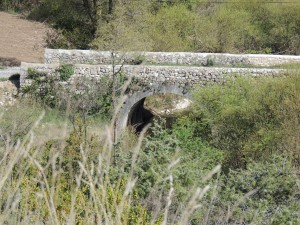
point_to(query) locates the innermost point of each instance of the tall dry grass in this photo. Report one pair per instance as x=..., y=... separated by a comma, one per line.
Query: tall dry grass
x=41, y=184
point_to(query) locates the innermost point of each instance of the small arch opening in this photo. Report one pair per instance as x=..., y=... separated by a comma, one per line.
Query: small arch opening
x=15, y=79
x=166, y=106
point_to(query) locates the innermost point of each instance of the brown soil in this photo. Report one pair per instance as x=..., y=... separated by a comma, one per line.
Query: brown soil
x=21, y=39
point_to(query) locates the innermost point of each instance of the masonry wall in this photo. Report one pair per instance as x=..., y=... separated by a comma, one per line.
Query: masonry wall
x=8, y=72
x=148, y=75
x=163, y=58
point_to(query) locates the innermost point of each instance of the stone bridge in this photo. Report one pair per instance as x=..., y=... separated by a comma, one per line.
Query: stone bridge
x=155, y=72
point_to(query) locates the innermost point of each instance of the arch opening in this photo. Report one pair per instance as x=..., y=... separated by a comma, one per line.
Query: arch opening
x=15, y=79
x=133, y=113
x=166, y=106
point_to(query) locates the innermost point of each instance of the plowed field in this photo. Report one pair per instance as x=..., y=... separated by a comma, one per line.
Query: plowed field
x=21, y=39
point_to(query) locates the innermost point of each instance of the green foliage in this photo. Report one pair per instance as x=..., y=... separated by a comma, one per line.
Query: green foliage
x=42, y=87
x=16, y=120
x=71, y=179
x=65, y=71
x=16, y=5
x=238, y=27
x=54, y=173
x=173, y=29
x=250, y=118
x=83, y=96
x=137, y=60
x=275, y=196
x=76, y=25
x=166, y=147
x=126, y=30
x=262, y=51
x=34, y=74
x=254, y=27
x=210, y=62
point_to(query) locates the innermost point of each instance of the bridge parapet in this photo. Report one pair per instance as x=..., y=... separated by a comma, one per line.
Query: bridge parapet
x=165, y=58
x=150, y=74
x=8, y=72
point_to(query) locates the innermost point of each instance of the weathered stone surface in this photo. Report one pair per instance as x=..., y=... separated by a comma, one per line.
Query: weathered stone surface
x=163, y=58
x=147, y=74
x=8, y=93
x=8, y=72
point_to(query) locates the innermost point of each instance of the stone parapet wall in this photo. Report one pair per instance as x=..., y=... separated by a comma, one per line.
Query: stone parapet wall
x=165, y=58
x=147, y=74
x=8, y=72
x=49, y=69
x=174, y=75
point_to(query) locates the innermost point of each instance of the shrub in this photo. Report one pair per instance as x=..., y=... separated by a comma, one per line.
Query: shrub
x=191, y=160
x=42, y=87
x=274, y=198
x=250, y=118
x=84, y=96
x=138, y=181
x=65, y=71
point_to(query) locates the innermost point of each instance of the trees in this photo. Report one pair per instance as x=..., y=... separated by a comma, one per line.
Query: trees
x=127, y=28
x=80, y=22
x=206, y=26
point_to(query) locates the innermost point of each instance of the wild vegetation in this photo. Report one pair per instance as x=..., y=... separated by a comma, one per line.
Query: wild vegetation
x=182, y=25
x=233, y=158
x=164, y=176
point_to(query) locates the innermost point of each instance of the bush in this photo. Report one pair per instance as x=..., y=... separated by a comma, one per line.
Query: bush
x=42, y=87
x=191, y=160
x=65, y=71
x=254, y=27
x=84, y=96
x=137, y=181
x=76, y=25
x=250, y=118
x=274, y=198
x=83, y=177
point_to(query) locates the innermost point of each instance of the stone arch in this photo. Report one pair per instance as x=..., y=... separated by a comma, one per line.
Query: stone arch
x=133, y=106
x=15, y=79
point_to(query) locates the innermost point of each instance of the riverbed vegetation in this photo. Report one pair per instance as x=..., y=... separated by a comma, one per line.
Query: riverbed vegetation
x=232, y=158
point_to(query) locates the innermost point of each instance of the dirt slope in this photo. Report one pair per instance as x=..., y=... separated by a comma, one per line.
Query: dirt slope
x=21, y=39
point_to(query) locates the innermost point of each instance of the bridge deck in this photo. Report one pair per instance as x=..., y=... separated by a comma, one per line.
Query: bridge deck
x=7, y=73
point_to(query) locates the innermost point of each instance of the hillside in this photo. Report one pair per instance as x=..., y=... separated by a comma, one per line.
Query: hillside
x=21, y=39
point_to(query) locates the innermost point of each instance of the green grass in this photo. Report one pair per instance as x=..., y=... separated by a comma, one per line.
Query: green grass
x=293, y=66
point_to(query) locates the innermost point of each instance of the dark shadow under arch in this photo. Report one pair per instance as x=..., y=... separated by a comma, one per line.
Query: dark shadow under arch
x=139, y=117
x=15, y=79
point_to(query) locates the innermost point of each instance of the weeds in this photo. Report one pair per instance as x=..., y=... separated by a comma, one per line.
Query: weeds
x=76, y=182
x=65, y=71
x=162, y=176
